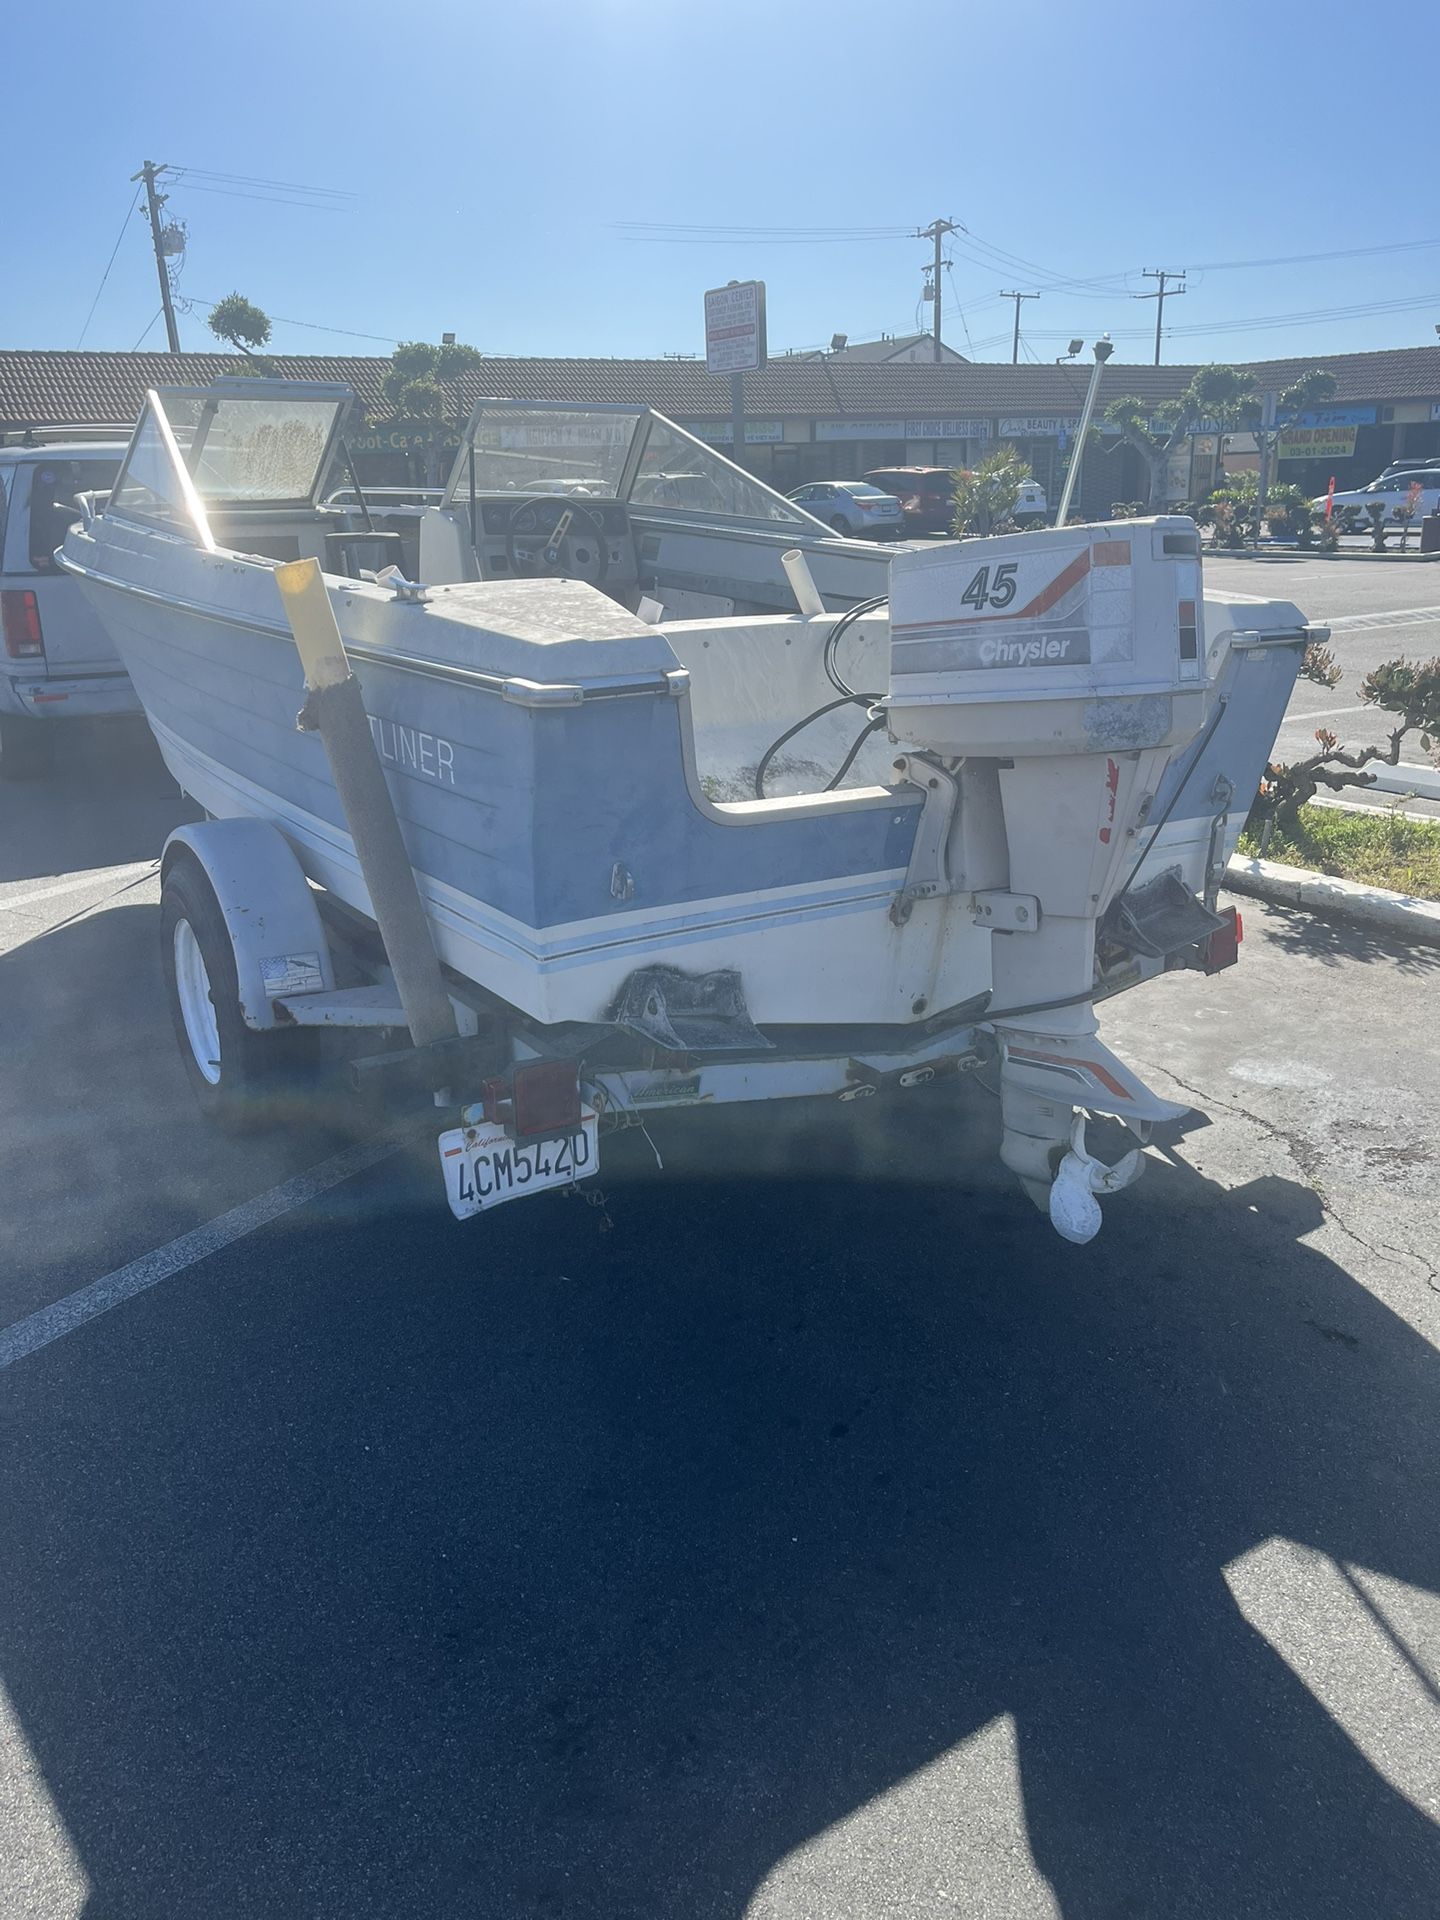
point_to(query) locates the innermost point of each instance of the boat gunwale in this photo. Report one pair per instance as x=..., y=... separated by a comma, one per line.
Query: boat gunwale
x=674, y=685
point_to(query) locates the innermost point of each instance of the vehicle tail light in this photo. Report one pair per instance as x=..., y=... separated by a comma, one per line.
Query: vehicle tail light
x=20, y=618
x=1221, y=949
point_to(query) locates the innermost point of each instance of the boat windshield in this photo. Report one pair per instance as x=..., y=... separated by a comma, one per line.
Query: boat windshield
x=241, y=443
x=627, y=453
x=550, y=450
x=249, y=448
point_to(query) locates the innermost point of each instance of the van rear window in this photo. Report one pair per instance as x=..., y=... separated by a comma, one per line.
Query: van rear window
x=53, y=487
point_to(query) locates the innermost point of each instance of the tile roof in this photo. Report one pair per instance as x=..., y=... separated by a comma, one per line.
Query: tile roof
x=886, y=348
x=102, y=389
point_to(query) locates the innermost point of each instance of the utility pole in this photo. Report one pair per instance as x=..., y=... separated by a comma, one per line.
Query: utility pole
x=936, y=231
x=149, y=173
x=1159, y=297
x=1015, y=343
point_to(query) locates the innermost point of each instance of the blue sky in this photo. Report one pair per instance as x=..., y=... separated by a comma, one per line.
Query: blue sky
x=492, y=153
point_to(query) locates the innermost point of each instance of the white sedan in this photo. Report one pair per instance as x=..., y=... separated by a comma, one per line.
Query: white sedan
x=1390, y=491
x=852, y=506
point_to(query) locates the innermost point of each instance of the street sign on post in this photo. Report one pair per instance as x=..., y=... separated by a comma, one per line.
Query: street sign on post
x=735, y=327
x=735, y=342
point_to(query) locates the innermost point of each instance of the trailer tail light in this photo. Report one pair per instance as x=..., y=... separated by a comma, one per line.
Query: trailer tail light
x=547, y=1098
x=540, y=1098
x=1221, y=949
x=20, y=619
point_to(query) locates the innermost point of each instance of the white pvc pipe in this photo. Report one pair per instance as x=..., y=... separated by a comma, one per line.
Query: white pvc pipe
x=802, y=582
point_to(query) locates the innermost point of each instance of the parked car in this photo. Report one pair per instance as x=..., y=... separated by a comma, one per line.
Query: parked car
x=926, y=495
x=927, y=498
x=56, y=661
x=852, y=506
x=1390, y=491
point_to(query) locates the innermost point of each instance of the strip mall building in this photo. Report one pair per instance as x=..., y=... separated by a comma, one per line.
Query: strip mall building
x=808, y=418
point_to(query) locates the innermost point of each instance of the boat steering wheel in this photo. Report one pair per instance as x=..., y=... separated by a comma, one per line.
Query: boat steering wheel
x=569, y=540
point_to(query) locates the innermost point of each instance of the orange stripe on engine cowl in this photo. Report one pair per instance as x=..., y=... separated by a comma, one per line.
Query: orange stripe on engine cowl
x=1046, y=598
x=1064, y=1060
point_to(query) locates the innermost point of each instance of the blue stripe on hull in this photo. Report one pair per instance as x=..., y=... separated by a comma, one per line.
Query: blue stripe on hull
x=528, y=809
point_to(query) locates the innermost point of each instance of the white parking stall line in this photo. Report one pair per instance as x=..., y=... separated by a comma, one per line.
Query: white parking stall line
x=1394, y=617
x=75, y=1310
x=1296, y=715
x=100, y=877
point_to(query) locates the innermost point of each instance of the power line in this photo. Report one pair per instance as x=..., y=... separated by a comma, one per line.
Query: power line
x=153, y=318
x=1300, y=259
x=265, y=199
x=313, y=326
x=690, y=228
x=124, y=224
x=251, y=180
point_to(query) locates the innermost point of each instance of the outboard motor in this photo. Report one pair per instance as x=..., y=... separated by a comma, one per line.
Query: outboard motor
x=1063, y=669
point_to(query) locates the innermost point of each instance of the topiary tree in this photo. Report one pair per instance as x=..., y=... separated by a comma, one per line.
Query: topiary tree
x=1408, y=689
x=245, y=326
x=985, y=496
x=1154, y=432
x=1229, y=398
x=453, y=360
x=418, y=375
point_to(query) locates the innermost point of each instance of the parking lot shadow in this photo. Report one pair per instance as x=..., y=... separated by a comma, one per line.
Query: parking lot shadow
x=540, y=1568
x=108, y=799
x=103, y=1153
x=1335, y=941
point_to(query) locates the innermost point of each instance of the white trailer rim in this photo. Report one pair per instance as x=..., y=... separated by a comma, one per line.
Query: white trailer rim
x=197, y=1009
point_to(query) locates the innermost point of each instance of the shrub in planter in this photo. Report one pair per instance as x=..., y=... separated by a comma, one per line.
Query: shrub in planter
x=1288, y=514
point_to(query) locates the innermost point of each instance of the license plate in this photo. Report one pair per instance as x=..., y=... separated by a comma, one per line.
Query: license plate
x=484, y=1167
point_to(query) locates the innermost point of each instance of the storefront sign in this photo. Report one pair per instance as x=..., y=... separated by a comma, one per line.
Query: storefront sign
x=1177, y=476
x=1038, y=426
x=404, y=439
x=859, y=429
x=721, y=433
x=947, y=429
x=1336, y=417
x=922, y=429
x=735, y=327
x=1316, y=443
x=568, y=433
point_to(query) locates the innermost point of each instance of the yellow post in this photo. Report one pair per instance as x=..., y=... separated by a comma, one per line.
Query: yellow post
x=313, y=623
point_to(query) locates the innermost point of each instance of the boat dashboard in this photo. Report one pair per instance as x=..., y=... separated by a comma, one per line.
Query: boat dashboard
x=577, y=536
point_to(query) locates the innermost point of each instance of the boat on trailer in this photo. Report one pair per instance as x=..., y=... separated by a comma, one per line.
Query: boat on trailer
x=698, y=802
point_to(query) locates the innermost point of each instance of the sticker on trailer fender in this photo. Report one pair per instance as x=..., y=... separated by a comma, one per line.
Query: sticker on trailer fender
x=291, y=973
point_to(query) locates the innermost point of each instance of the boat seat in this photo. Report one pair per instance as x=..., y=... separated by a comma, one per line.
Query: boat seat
x=753, y=678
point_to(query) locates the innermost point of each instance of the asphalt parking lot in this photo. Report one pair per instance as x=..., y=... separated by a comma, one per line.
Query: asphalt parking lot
x=793, y=1535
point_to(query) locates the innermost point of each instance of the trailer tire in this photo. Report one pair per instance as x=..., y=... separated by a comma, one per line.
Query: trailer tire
x=26, y=748
x=238, y=1076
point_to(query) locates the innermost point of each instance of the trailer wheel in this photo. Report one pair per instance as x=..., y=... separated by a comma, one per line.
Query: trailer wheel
x=235, y=1072
x=26, y=748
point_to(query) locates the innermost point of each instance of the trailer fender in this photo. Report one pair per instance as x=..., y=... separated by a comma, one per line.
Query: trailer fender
x=269, y=909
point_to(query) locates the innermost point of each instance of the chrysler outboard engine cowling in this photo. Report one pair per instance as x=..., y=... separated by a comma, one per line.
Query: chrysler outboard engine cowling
x=1072, y=662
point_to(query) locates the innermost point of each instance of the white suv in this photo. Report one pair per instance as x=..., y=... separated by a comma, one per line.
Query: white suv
x=56, y=662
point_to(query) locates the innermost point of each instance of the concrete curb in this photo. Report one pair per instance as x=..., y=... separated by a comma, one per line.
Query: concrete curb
x=1371, y=906
x=1367, y=554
